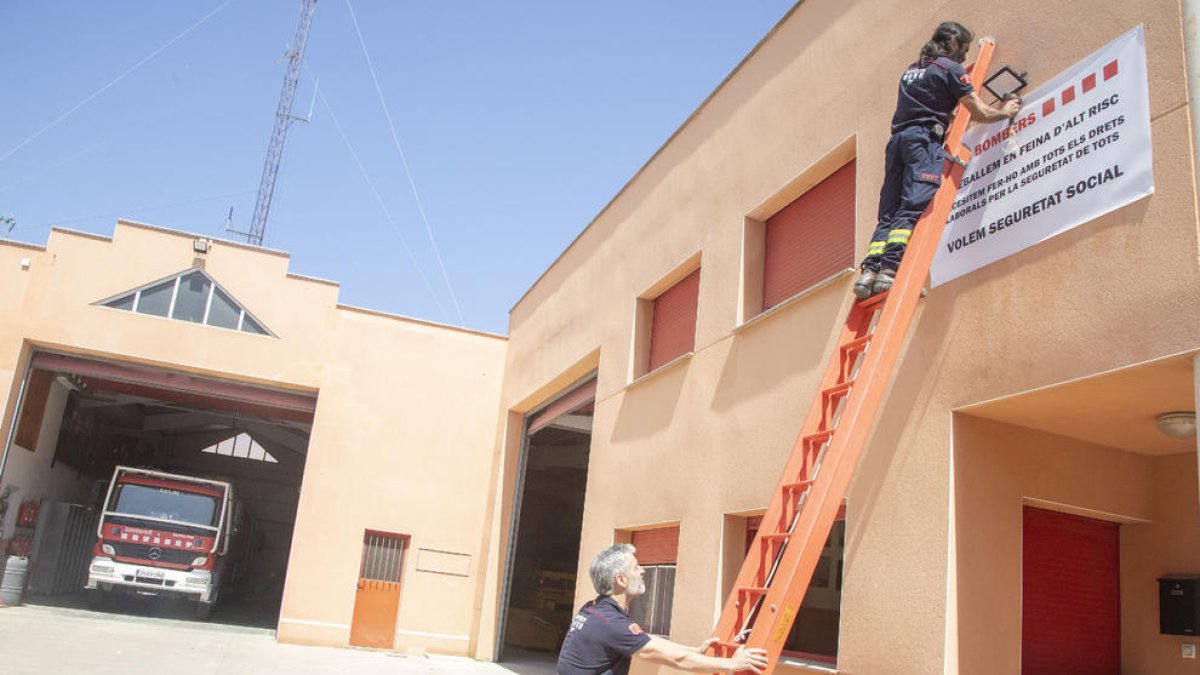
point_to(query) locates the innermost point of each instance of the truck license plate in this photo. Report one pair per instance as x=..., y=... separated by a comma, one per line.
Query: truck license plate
x=150, y=575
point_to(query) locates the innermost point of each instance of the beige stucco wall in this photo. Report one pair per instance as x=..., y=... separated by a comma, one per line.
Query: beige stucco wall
x=998, y=468
x=707, y=435
x=403, y=430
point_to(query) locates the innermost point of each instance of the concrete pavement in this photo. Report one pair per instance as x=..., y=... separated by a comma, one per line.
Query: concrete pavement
x=40, y=640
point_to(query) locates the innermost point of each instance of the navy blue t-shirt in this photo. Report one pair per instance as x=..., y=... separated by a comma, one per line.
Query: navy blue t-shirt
x=602, y=638
x=929, y=93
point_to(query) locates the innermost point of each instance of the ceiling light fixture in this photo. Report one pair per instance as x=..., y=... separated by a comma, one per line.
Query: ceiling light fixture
x=1177, y=424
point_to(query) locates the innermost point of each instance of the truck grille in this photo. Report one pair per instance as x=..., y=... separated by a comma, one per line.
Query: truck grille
x=171, y=556
x=153, y=582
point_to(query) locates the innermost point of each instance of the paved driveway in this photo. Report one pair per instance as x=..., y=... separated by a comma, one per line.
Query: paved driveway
x=40, y=640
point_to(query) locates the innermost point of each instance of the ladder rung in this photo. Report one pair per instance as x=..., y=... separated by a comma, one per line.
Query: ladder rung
x=876, y=299
x=727, y=648
x=781, y=536
x=818, y=438
x=858, y=345
x=756, y=590
x=796, y=487
x=837, y=390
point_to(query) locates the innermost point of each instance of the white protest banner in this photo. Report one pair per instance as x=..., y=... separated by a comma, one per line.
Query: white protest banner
x=1079, y=148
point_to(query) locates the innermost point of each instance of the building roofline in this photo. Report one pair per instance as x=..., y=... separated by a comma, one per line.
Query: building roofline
x=193, y=235
x=423, y=322
x=20, y=244
x=316, y=280
x=81, y=233
x=629, y=183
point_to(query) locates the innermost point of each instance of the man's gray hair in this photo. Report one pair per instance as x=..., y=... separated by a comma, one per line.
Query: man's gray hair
x=607, y=564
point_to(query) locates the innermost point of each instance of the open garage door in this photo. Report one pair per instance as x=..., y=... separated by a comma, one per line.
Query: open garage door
x=539, y=590
x=81, y=418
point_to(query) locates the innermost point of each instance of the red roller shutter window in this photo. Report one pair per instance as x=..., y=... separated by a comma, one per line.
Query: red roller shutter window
x=810, y=239
x=1071, y=614
x=657, y=547
x=673, y=330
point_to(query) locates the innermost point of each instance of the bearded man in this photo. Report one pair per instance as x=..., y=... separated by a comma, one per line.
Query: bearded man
x=603, y=639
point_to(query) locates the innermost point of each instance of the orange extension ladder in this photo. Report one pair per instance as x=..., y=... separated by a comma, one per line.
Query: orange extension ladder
x=779, y=567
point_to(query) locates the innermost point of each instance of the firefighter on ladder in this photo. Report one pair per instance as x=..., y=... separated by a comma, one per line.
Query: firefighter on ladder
x=930, y=90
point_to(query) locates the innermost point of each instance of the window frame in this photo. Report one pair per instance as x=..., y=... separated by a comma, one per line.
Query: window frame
x=656, y=619
x=643, y=320
x=245, y=316
x=835, y=552
x=660, y=565
x=798, y=218
x=751, y=299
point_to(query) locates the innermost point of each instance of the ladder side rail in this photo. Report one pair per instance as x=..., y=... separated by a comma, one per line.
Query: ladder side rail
x=796, y=565
x=794, y=470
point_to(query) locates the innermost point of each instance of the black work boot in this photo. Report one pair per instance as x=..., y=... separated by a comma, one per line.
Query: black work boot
x=883, y=281
x=863, y=288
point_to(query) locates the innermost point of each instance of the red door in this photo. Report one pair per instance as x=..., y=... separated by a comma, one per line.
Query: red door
x=377, y=601
x=1070, y=609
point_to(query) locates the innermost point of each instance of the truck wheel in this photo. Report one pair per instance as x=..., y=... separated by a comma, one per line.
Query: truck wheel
x=201, y=610
x=97, y=599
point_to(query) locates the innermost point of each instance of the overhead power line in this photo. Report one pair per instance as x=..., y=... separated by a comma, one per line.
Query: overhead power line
x=115, y=80
x=382, y=205
x=404, y=160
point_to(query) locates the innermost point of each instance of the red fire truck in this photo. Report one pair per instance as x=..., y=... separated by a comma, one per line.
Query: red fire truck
x=164, y=534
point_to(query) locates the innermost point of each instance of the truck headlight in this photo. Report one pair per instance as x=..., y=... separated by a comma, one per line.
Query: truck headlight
x=108, y=548
x=200, y=561
x=102, y=569
x=197, y=581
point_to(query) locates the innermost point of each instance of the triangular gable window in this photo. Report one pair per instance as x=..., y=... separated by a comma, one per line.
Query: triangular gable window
x=243, y=447
x=190, y=296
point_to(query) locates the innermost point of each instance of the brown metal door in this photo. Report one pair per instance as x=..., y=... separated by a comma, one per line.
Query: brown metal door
x=377, y=600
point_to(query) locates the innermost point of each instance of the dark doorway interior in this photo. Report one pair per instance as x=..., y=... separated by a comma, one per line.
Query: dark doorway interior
x=542, y=583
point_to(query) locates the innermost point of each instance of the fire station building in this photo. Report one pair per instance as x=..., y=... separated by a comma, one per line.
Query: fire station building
x=1026, y=501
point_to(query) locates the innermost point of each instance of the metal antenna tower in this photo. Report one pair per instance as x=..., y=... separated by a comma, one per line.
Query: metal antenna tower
x=283, y=120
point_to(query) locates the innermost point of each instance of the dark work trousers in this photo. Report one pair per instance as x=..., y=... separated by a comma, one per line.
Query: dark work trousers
x=912, y=175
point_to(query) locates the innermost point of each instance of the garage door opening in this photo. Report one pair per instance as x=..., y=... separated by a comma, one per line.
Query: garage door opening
x=183, y=437
x=544, y=554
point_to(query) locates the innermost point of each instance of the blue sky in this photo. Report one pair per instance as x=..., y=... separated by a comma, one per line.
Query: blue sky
x=519, y=119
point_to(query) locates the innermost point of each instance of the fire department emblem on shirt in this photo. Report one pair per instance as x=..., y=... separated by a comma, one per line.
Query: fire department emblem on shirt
x=635, y=629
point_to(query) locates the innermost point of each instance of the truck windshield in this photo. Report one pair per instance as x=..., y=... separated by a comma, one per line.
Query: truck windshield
x=165, y=503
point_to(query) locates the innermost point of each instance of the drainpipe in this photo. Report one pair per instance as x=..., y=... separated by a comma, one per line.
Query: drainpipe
x=1196, y=404
x=1191, y=54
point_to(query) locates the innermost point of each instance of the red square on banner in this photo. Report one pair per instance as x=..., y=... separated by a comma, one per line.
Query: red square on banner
x=1068, y=95
x=1089, y=83
x=1047, y=107
x=1110, y=71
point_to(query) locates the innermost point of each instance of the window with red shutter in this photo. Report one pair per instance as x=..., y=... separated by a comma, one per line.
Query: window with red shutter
x=657, y=551
x=673, y=325
x=657, y=546
x=810, y=239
